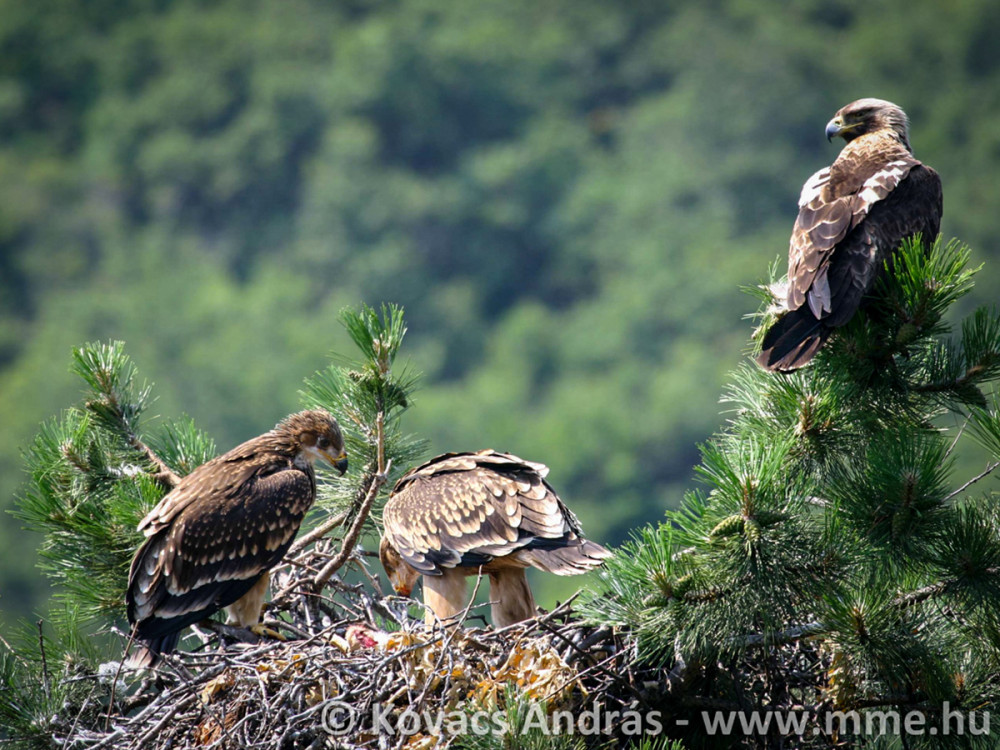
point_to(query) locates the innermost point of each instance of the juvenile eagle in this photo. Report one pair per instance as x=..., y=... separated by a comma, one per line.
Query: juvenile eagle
x=461, y=513
x=212, y=539
x=853, y=215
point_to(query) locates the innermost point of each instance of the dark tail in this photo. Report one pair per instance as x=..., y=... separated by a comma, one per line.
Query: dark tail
x=792, y=341
x=147, y=653
x=570, y=560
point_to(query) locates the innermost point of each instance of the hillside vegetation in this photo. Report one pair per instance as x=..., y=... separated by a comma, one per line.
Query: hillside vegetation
x=565, y=196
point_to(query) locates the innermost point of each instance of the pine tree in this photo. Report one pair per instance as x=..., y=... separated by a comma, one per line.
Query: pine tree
x=832, y=561
x=99, y=468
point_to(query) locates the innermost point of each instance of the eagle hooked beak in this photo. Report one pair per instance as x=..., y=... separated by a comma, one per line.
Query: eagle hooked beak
x=341, y=465
x=402, y=588
x=834, y=128
x=339, y=462
x=401, y=575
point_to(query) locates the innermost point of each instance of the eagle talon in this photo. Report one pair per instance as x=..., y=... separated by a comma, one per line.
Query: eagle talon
x=263, y=631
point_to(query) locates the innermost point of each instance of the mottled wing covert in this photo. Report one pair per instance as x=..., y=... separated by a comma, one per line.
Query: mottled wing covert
x=467, y=509
x=215, y=548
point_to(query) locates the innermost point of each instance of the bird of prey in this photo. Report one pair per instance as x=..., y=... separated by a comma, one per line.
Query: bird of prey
x=462, y=513
x=853, y=215
x=212, y=539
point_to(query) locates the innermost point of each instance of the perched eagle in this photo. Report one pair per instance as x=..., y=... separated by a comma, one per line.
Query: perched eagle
x=462, y=513
x=853, y=215
x=212, y=539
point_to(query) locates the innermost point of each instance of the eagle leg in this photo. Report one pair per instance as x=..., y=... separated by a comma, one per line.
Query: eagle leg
x=245, y=612
x=445, y=596
x=511, y=597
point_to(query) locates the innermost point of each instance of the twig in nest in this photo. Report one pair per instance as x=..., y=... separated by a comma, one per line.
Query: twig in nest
x=318, y=533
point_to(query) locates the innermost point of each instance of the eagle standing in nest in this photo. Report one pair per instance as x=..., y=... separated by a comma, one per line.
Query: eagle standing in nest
x=464, y=513
x=853, y=215
x=212, y=539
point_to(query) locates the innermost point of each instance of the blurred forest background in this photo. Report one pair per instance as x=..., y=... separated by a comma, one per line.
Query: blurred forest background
x=565, y=195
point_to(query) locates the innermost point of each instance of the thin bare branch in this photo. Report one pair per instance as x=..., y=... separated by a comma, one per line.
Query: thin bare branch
x=982, y=475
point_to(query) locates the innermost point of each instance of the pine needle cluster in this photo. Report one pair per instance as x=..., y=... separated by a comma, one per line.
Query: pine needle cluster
x=102, y=465
x=833, y=561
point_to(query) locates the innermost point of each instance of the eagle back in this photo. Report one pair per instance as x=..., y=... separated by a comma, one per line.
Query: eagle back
x=468, y=508
x=834, y=203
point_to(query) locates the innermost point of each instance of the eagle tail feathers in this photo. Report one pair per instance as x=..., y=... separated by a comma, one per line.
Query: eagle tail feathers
x=147, y=653
x=792, y=341
x=567, y=561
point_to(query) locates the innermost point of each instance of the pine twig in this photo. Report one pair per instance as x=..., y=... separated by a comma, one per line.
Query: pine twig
x=318, y=533
x=958, y=436
x=378, y=480
x=347, y=546
x=46, y=682
x=755, y=640
x=982, y=475
x=920, y=595
x=164, y=474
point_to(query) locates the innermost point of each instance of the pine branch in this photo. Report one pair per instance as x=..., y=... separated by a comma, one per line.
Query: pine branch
x=316, y=534
x=981, y=475
x=347, y=546
x=368, y=398
x=163, y=474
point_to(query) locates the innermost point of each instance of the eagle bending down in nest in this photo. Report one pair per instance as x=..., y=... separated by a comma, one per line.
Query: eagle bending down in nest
x=853, y=215
x=212, y=539
x=464, y=513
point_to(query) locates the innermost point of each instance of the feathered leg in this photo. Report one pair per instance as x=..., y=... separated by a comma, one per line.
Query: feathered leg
x=511, y=596
x=445, y=596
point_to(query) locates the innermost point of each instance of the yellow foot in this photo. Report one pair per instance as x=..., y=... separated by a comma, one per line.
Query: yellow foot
x=265, y=632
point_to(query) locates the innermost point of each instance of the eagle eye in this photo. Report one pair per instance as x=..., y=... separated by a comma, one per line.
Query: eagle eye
x=323, y=441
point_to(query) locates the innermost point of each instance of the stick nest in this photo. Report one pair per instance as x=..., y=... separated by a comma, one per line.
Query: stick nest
x=351, y=645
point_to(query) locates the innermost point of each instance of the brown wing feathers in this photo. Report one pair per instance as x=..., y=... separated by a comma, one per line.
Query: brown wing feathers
x=468, y=510
x=222, y=527
x=852, y=217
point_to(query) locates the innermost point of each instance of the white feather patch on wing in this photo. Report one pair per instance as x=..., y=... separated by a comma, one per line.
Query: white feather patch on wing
x=814, y=186
x=883, y=182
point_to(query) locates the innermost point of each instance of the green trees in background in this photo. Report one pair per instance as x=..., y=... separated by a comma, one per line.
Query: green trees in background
x=563, y=195
x=835, y=560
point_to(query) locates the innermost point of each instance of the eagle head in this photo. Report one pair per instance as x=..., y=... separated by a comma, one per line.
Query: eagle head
x=402, y=576
x=314, y=434
x=869, y=116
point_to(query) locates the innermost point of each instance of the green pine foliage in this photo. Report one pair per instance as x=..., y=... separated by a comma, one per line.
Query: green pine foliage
x=368, y=397
x=92, y=480
x=832, y=524
x=100, y=467
x=46, y=682
x=213, y=182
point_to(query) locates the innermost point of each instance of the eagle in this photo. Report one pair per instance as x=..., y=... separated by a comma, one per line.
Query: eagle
x=853, y=215
x=212, y=539
x=460, y=514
